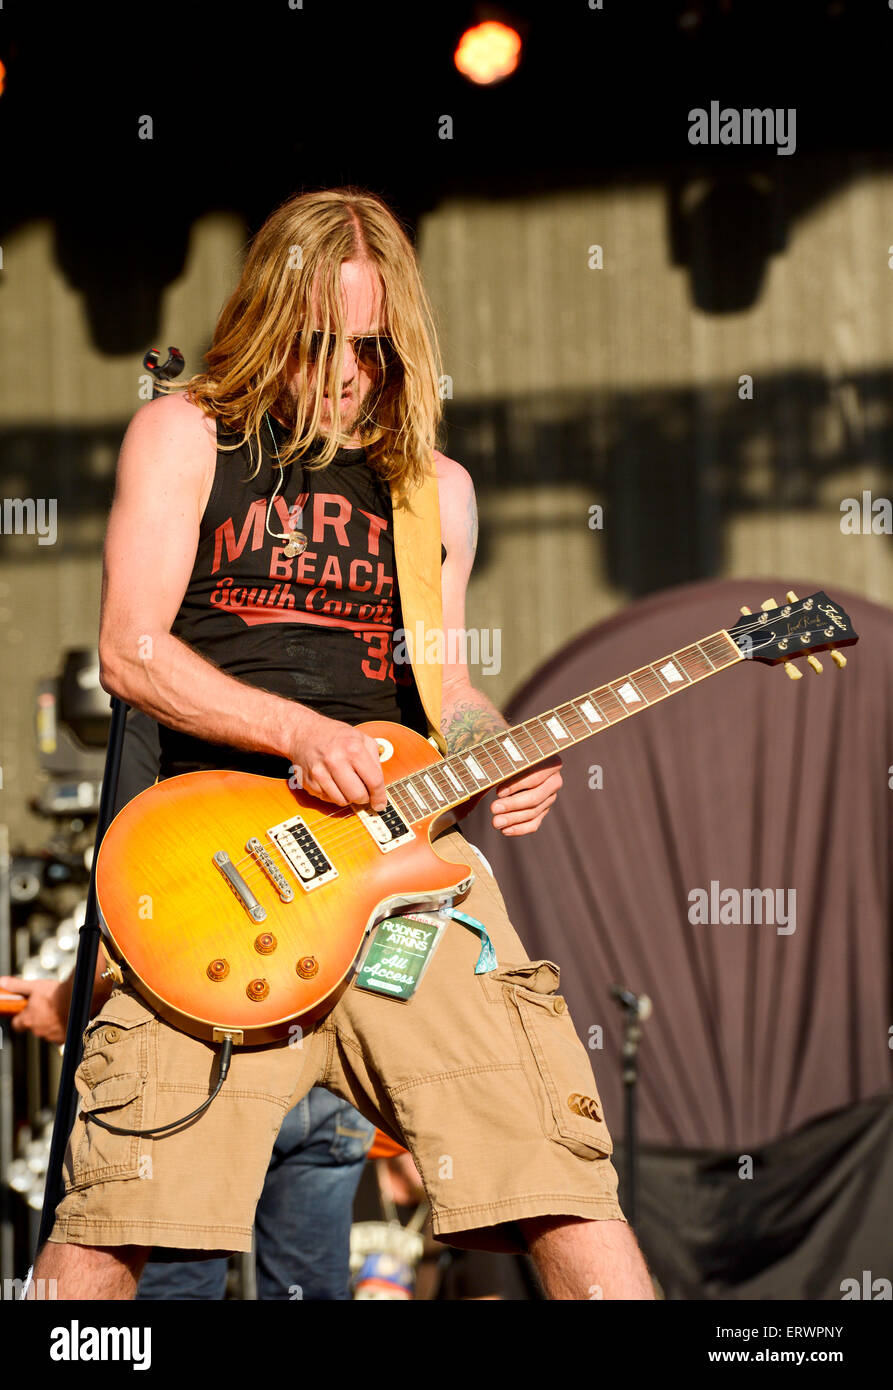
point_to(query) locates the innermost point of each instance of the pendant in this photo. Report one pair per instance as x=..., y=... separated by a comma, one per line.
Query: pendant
x=296, y=544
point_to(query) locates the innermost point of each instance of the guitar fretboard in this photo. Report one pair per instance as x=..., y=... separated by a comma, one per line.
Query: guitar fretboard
x=510, y=752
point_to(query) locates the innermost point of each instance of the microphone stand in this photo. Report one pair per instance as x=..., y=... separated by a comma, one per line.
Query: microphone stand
x=89, y=934
x=637, y=1008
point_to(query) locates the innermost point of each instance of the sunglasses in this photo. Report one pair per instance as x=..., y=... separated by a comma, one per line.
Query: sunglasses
x=372, y=350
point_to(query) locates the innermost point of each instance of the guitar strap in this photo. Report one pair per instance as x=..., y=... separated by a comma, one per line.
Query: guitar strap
x=417, y=561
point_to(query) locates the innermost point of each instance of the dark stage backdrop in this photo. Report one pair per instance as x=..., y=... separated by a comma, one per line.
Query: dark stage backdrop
x=749, y=780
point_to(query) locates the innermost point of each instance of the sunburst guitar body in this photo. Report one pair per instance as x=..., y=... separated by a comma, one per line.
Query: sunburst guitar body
x=239, y=903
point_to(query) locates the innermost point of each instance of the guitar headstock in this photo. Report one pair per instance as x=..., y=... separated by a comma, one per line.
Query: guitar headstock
x=799, y=628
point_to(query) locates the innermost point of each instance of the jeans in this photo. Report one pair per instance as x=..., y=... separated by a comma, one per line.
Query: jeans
x=303, y=1218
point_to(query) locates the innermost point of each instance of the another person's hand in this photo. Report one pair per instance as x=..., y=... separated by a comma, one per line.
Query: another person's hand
x=402, y=1179
x=46, y=1013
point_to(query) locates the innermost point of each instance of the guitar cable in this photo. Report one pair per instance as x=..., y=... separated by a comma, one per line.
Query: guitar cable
x=226, y=1053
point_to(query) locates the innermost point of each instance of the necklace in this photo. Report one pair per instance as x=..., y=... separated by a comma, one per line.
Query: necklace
x=295, y=541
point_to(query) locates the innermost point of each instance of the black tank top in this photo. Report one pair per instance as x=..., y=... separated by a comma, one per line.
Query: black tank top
x=316, y=627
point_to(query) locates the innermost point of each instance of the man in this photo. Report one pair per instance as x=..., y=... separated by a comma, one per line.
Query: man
x=259, y=647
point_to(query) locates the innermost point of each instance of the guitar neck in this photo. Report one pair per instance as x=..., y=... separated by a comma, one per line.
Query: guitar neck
x=508, y=753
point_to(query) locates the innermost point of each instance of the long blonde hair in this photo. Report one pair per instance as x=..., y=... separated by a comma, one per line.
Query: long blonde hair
x=299, y=250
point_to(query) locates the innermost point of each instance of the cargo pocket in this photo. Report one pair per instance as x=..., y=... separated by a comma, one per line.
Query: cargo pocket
x=554, y=1059
x=111, y=1081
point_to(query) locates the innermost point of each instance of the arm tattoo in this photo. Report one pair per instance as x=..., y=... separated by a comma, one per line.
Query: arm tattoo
x=466, y=721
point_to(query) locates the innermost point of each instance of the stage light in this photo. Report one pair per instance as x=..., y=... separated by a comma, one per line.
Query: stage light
x=2, y=78
x=488, y=52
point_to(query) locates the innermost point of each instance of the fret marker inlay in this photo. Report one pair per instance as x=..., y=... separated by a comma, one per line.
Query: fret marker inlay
x=670, y=673
x=629, y=693
x=556, y=727
x=591, y=712
x=431, y=784
x=454, y=779
x=511, y=749
x=474, y=769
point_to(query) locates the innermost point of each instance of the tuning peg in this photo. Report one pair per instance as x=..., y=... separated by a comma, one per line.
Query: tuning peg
x=745, y=610
x=838, y=658
x=791, y=596
x=792, y=671
x=814, y=662
x=770, y=603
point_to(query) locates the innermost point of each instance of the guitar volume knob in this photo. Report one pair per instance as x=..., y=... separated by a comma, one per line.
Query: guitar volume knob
x=257, y=990
x=307, y=967
x=265, y=943
x=218, y=969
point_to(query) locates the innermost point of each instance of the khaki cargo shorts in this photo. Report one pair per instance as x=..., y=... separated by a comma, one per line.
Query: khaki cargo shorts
x=482, y=1077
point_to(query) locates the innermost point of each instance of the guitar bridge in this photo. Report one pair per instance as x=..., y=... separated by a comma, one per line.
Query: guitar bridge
x=255, y=911
x=265, y=860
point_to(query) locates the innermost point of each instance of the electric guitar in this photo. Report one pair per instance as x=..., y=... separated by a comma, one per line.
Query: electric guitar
x=239, y=904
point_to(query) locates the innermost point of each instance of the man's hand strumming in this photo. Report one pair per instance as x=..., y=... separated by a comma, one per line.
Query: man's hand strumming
x=338, y=763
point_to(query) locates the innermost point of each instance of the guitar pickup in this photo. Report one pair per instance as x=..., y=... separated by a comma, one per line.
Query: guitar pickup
x=387, y=828
x=302, y=852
